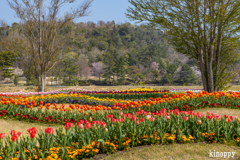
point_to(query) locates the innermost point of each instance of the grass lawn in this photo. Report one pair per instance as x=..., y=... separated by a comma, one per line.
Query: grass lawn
x=11, y=88
x=6, y=88
x=171, y=152
x=221, y=111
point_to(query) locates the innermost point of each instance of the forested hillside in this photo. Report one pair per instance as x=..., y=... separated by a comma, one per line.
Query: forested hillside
x=111, y=53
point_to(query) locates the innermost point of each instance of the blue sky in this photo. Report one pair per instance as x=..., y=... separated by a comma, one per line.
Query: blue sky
x=105, y=10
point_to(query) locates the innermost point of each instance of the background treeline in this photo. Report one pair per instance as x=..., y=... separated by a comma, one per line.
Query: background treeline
x=109, y=54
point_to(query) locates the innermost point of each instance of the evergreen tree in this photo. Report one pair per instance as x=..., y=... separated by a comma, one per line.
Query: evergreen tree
x=16, y=80
x=171, y=69
x=186, y=75
x=6, y=61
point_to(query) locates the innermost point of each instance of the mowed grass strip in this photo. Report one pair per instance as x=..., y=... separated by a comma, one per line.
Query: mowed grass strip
x=220, y=111
x=6, y=125
x=191, y=151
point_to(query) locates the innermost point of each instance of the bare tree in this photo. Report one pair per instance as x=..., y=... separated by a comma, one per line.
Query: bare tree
x=40, y=41
x=154, y=66
x=83, y=63
x=97, y=69
x=86, y=72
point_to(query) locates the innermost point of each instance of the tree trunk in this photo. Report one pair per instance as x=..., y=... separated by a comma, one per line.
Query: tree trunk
x=201, y=66
x=219, y=46
x=211, y=50
x=43, y=81
x=39, y=87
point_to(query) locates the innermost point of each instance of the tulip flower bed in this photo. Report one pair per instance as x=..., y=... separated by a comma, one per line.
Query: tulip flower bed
x=104, y=125
x=120, y=131
x=31, y=108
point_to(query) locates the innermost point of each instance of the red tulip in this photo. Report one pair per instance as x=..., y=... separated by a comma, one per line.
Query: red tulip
x=142, y=119
x=124, y=115
x=129, y=115
x=32, y=130
x=218, y=117
x=18, y=134
x=14, y=138
x=183, y=112
x=81, y=121
x=120, y=120
x=226, y=116
x=176, y=112
x=137, y=113
x=68, y=125
x=2, y=135
x=229, y=120
x=49, y=130
x=32, y=135
x=12, y=132
x=185, y=118
x=209, y=117
x=163, y=110
x=103, y=124
x=88, y=126
x=134, y=118
x=114, y=120
x=190, y=112
x=110, y=116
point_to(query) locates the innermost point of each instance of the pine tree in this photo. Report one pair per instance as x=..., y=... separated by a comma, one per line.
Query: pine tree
x=16, y=79
x=6, y=61
x=187, y=75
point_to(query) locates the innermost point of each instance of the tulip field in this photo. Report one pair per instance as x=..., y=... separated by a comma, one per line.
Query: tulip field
x=103, y=122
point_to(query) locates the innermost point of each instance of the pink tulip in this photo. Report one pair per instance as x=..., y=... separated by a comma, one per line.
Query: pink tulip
x=152, y=119
x=199, y=121
x=80, y=126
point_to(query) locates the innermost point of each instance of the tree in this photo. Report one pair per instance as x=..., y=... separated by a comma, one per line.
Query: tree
x=6, y=61
x=109, y=61
x=204, y=30
x=187, y=75
x=70, y=63
x=97, y=69
x=83, y=63
x=155, y=74
x=165, y=79
x=171, y=69
x=154, y=66
x=16, y=80
x=40, y=40
x=134, y=73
